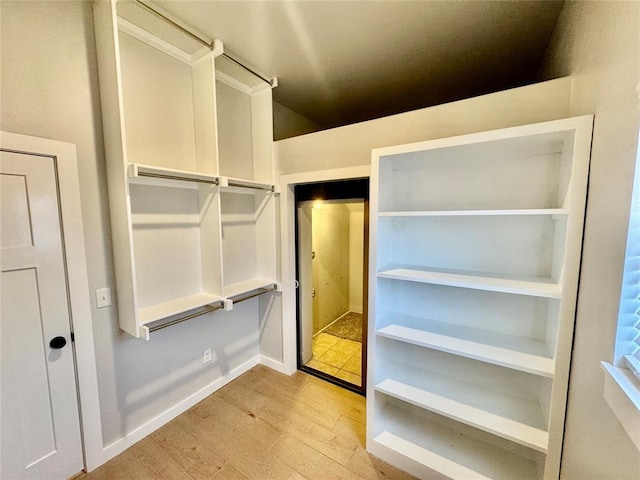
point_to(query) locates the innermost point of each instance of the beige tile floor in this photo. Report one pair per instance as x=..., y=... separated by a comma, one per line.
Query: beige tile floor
x=338, y=357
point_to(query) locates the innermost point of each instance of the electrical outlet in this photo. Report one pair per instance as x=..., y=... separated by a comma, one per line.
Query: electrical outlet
x=206, y=355
x=103, y=297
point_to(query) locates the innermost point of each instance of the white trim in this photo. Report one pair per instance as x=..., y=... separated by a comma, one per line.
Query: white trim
x=288, y=250
x=272, y=364
x=80, y=302
x=623, y=396
x=158, y=421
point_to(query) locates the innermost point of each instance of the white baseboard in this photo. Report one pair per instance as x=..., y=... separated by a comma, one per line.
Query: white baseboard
x=152, y=425
x=276, y=365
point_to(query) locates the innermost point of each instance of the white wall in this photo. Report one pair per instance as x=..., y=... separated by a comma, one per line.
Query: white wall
x=50, y=89
x=351, y=145
x=599, y=43
x=356, y=252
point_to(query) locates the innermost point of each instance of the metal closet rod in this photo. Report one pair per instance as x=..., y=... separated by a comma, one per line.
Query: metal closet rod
x=214, y=181
x=211, y=308
x=273, y=288
x=268, y=188
x=199, y=39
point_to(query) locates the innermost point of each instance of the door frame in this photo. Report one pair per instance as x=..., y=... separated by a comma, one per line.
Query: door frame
x=288, y=252
x=68, y=189
x=340, y=190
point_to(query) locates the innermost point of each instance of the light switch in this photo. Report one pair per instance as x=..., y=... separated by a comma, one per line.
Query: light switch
x=103, y=297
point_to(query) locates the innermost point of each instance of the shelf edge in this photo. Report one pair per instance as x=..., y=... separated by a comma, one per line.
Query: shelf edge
x=511, y=430
x=476, y=282
x=426, y=457
x=469, y=349
x=462, y=213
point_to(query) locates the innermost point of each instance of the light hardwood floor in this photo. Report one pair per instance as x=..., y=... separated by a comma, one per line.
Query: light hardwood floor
x=263, y=425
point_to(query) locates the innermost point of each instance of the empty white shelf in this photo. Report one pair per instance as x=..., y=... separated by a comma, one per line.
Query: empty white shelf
x=159, y=311
x=448, y=451
x=489, y=422
x=537, y=287
x=469, y=213
x=247, y=286
x=511, y=358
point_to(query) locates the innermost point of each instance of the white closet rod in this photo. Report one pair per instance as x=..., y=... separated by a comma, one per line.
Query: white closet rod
x=200, y=40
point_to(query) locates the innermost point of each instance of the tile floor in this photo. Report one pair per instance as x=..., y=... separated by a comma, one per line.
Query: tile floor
x=338, y=357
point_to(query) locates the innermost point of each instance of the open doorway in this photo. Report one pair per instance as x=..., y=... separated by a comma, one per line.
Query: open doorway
x=331, y=272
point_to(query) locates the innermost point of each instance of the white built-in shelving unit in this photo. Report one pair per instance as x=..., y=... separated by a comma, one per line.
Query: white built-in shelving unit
x=188, y=139
x=475, y=253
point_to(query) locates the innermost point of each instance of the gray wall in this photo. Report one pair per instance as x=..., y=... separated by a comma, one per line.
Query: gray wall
x=599, y=43
x=50, y=89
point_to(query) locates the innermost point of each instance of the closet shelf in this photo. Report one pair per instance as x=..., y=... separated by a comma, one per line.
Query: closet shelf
x=515, y=357
x=446, y=450
x=151, y=175
x=507, y=428
x=163, y=310
x=239, y=185
x=479, y=213
x=537, y=286
x=247, y=286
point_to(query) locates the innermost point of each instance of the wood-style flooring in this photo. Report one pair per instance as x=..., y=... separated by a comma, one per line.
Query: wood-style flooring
x=262, y=426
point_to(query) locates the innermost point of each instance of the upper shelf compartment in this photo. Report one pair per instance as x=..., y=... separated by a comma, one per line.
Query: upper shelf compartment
x=449, y=175
x=245, y=123
x=151, y=58
x=161, y=123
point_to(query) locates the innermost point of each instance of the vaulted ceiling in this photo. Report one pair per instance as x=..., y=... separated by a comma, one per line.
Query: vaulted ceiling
x=340, y=62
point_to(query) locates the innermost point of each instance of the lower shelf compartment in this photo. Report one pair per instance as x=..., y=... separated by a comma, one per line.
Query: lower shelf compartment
x=522, y=354
x=247, y=286
x=159, y=311
x=471, y=415
x=440, y=445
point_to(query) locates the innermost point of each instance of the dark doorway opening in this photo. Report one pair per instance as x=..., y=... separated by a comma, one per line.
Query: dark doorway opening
x=331, y=271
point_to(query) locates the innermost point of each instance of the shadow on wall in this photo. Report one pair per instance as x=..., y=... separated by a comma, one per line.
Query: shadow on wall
x=157, y=375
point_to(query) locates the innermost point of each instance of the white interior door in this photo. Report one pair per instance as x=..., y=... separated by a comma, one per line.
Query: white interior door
x=38, y=404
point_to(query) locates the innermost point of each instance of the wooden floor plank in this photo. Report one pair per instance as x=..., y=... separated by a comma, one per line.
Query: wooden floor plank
x=264, y=425
x=322, y=439
x=198, y=459
x=154, y=460
x=242, y=452
x=261, y=432
x=318, y=413
x=310, y=462
x=229, y=473
x=349, y=428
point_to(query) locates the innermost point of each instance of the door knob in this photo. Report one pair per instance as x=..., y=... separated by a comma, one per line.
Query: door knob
x=57, y=342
